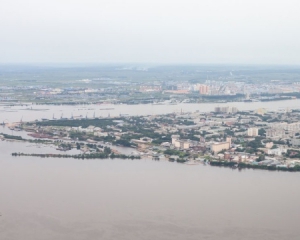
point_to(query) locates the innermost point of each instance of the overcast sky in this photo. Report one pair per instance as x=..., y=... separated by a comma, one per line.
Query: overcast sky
x=156, y=31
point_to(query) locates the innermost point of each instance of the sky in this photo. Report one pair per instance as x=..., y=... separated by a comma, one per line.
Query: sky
x=156, y=31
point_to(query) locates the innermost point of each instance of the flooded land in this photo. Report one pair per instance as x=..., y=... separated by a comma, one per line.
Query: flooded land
x=173, y=152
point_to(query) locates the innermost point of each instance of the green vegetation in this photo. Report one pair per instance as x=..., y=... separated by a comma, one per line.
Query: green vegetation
x=101, y=155
x=123, y=142
x=176, y=152
x=252, y=146
x=262, y=132
x=252, y=166
x=84, y=123
x=7, y=136
x=293, y=153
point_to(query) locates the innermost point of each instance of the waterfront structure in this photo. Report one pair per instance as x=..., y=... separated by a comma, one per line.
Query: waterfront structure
x=219, y=146
x=277, y=151
x=142, y=144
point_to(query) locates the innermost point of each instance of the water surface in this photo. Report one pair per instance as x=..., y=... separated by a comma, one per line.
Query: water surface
x=67, y=199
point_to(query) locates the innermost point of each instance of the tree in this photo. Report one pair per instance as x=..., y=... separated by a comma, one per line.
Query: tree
x=262, y=132
x=123, y=142
x=107, y=150
x=261, y=158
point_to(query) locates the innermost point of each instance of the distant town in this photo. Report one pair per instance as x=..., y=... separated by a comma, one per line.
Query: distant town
x=148, y=85
x=225, y=137
x=154, y=93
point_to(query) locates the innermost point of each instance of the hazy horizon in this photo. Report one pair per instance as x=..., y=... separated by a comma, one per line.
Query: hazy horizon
x=150, y=32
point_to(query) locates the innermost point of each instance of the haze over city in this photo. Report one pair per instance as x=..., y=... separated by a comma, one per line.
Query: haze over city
x=165, y=32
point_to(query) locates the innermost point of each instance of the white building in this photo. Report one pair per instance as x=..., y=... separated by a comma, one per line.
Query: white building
x=252, y=132
x=277, y=151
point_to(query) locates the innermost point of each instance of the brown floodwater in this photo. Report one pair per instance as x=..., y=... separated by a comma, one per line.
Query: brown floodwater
x=67, y=199
x=25, y=113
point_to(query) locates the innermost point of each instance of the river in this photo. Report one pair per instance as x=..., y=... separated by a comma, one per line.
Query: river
x=68, y=199
x=33, y=112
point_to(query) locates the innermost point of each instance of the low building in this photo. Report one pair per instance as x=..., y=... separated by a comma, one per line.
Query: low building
x=218, y=147
x=269, y=145
x=141, y=144
x=275, y=133
x=277, y=151
x=295, y=142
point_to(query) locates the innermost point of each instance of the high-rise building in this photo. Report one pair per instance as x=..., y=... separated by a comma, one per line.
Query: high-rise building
x=226, y=109
x=203, y=89
x=228, y=139
x=217, y=109
x=252, y=132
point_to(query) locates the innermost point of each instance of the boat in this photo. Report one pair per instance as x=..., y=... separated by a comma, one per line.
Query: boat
x=191, y=162
x=235, y=166
x=61, y=149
